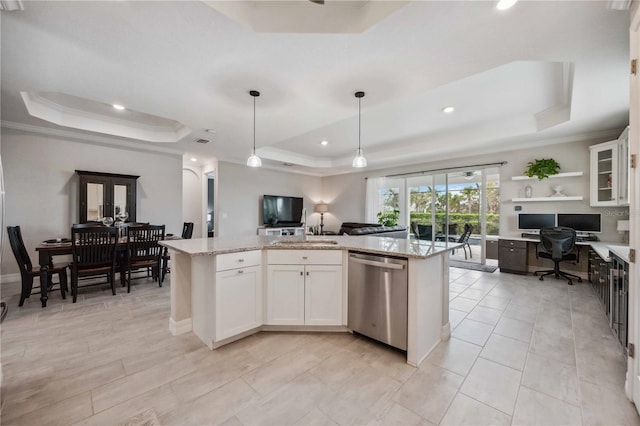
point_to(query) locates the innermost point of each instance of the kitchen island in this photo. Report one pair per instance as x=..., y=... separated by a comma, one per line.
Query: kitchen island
x=223, y=289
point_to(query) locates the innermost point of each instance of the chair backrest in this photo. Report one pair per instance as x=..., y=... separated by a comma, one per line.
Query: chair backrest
x=453, y=228
x=142, y=242
x=466, y=233
x=558, y=240
x=425, y=232
x=187, y=230
x=19, y=250
x=87, y=225
x=93, y=246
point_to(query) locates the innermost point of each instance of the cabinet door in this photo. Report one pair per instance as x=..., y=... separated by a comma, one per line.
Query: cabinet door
x=238, y=301
x=285, y=295
x=604, y=174
x=623, y=169
x=323, y=295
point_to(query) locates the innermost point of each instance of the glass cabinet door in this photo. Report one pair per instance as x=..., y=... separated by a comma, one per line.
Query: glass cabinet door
x=106, y=195
x=604, y=174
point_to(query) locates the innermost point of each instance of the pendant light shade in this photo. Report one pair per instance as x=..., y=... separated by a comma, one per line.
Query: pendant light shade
x=254, y=160
x=359, y=161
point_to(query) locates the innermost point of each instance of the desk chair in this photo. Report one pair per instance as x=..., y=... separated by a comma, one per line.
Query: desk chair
x=558, y=244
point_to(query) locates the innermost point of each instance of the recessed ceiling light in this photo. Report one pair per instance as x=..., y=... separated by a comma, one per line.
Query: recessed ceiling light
x=118, y=107
x=324, y=143
x=194, y=159
x=448, y=109
x=505, y=4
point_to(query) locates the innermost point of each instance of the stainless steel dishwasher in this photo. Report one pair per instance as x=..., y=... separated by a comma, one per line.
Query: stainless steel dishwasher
x=377, y=304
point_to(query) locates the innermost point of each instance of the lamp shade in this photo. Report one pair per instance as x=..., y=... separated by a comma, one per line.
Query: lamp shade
x=321, y=208
x=623, y=225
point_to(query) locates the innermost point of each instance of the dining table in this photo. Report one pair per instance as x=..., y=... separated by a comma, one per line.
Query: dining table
x=46, y=251
x=62, y=247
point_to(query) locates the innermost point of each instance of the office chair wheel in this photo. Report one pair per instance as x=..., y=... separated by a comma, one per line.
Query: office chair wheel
x=541, y=278
x=570, y=282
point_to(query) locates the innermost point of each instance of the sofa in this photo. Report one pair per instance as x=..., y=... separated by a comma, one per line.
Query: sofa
x=372, y=229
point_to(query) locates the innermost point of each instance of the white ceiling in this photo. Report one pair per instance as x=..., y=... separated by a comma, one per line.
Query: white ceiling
x=542, y=72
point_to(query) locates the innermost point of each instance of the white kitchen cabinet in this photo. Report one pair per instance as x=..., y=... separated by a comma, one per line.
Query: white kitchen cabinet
x=285, y=295
x=609, y=181
x=304, y=287
x=236, y=293
x=238, y=301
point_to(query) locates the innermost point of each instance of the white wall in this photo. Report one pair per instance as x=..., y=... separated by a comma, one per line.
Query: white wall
x=192, y=202
x=42, y=188
x=346, y=193
x=240, y=191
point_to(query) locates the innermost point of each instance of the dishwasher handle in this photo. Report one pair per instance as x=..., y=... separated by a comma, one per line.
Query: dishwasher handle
x=377, y=264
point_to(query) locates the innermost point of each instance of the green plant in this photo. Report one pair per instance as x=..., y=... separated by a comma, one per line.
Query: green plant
x=542, y=168
x=388, y=218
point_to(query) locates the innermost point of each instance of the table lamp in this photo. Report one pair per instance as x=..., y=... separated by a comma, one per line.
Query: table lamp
x=322, y=209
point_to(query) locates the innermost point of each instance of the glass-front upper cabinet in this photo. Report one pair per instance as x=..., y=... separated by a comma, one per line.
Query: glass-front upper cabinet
x=609, y=180
x=106, y=195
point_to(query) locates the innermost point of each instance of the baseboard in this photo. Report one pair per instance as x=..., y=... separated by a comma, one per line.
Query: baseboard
x=10, y=278
x=180, y=327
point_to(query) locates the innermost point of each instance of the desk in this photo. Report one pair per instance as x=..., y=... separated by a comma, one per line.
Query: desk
x=517, y=255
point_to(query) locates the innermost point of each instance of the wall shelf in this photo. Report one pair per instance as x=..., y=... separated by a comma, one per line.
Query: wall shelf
x=525, y=200
x=559, y=175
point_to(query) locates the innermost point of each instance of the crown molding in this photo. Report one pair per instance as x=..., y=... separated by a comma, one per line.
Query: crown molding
x=88, y=138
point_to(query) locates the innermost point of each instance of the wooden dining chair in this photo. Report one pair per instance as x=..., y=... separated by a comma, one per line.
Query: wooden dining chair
x=93, y=251
x=143, y=251
x=27, y=271
x=187, y=233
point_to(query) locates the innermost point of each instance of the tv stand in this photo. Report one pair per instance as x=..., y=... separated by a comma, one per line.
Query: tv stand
x=282, y=231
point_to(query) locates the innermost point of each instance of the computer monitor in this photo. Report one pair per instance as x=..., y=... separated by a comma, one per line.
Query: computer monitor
x=581, y=222
x=535, y=221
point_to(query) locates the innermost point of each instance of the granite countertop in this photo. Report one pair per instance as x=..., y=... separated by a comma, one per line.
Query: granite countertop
x=403, y=247
x=603, y=249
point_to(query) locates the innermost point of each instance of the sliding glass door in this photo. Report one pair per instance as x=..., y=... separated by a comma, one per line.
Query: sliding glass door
x=457, y=206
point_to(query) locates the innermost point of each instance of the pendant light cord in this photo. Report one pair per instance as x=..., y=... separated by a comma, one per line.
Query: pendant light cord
x=254, y=125
x=359, y=124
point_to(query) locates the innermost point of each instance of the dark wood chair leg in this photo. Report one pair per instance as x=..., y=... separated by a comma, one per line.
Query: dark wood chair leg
x=27, y=285
x=63, y=283
x=74, y=285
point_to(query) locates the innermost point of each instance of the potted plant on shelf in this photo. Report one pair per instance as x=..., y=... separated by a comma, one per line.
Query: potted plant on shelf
x=388, y=218
x=542, y=168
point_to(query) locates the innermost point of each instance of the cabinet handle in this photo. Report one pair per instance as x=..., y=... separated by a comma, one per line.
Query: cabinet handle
x=301, y=273
x=240, y=260
x=304, y=258
x=511, y=243
x=240, y=271
x=511, y=250
x=307, y=273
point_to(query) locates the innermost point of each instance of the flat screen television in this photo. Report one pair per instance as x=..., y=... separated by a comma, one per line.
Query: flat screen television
x=535, y=221
x=280, y=211
x=581, y=222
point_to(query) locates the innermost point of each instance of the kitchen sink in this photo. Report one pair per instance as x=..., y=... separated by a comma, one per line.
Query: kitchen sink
x=303, y=243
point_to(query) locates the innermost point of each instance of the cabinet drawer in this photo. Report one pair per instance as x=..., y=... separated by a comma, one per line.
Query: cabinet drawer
x=513, y=260
x=513, y=244
x=304, y=257
x=238, y=260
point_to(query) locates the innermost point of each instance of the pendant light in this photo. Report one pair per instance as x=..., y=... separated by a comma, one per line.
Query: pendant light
x=254, y=160
x=359, y=161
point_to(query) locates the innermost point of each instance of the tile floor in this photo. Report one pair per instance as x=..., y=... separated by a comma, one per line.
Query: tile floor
x=522, y=352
